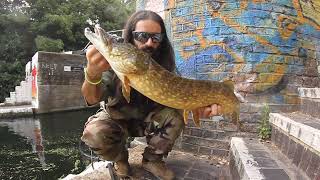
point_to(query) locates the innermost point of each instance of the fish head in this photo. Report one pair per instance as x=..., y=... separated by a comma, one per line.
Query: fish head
x=123, y=58
x=101, y=40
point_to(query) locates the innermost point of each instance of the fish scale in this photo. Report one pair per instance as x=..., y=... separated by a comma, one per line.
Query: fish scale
x=138, y=70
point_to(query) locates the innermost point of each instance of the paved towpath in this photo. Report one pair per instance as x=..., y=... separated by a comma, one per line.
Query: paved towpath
x=185, y=165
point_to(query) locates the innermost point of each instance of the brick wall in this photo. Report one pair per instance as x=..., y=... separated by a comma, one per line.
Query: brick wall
x=301, y=155
x=269, y=49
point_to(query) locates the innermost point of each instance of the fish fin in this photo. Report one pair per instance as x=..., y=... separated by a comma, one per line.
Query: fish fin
x=196, y=117
x=126, y=88
x=185, y=116
x=229, y=84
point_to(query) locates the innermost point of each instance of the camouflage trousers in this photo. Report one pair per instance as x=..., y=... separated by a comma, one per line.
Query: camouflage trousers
x=107, y=131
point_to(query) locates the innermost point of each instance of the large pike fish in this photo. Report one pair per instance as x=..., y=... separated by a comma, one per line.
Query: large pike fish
x=138, y=70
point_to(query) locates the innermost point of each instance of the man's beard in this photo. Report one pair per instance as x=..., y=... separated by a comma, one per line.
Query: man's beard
x=153, y=52
x=149, y=50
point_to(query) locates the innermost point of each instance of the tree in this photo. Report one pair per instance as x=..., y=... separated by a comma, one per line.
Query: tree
x=66, y=20
x=49, y=25
x=15, y=50
x=48, y=44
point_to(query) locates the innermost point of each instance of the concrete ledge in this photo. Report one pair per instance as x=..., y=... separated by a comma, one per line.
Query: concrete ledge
x=257, y=107
x=250, y=160
x=309, y=92
x=15, y=111
x=302, y=127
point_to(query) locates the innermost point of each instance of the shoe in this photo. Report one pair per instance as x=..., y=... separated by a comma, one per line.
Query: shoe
x=159, y=169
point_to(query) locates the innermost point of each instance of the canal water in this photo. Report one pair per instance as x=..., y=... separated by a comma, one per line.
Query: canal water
x=42, y=147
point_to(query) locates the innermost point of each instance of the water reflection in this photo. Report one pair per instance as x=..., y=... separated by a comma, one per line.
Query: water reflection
x=31, y=130
x=43, y=147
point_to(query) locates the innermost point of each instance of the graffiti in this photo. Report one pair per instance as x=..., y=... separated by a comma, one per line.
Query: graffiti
x=310, y=9
x=34, y=80
x=50, y=69
x=241, y=32
x=257, y=43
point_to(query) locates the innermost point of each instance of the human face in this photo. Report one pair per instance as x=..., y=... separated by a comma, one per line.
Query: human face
x=149, y=26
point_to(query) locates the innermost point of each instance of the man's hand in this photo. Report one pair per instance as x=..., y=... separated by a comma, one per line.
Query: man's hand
x=209, y=111
x=95, y=66
x=96, y=63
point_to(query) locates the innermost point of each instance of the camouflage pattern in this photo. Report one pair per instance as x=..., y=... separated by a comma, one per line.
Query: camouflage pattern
x=107, y=131
x=107, y=134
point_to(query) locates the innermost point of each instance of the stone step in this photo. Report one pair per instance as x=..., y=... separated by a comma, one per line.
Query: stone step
x=310, y=106
x=297, y=135
x=251, y=159
x=300, y=126
x=310, y=101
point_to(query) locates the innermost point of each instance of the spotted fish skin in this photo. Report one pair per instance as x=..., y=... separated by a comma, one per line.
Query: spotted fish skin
x=138, y=70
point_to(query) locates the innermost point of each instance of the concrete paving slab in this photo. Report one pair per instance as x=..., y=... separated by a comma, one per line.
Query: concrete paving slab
x=185, y=165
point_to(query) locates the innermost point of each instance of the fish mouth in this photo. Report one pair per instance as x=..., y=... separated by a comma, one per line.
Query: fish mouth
x=99, y=35
x=97, y=30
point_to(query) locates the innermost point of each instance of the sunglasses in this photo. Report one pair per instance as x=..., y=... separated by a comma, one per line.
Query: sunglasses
x=144, y=36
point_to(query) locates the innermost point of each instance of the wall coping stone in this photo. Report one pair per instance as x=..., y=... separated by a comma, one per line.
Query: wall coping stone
x=301, y=126
x=309, y=92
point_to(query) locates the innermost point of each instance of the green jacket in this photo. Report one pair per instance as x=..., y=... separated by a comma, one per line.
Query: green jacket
x=138, y=108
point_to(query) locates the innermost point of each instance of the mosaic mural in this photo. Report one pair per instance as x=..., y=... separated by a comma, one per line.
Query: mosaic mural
x=256, y=43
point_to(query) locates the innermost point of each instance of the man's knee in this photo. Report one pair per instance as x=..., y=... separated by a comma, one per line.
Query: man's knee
x=167, y=131
x=171, y=120
x=105, y=137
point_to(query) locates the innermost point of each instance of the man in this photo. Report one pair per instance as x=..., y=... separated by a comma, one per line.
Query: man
x=106, y=132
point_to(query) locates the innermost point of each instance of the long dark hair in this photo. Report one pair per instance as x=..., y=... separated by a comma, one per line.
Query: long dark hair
x=165, y=56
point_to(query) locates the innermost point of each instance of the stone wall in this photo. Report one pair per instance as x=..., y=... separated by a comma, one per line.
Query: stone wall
x=59, y=79
x=268, y=48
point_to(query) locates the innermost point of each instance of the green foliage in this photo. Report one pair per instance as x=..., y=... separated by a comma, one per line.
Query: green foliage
x=49, y=25
x=14, y=37
x=11, y=75
x=264, y=127
x=66, y=20
x=48, y=44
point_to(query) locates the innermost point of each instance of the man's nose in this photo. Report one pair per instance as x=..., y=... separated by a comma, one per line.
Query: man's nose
x=149, y=42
